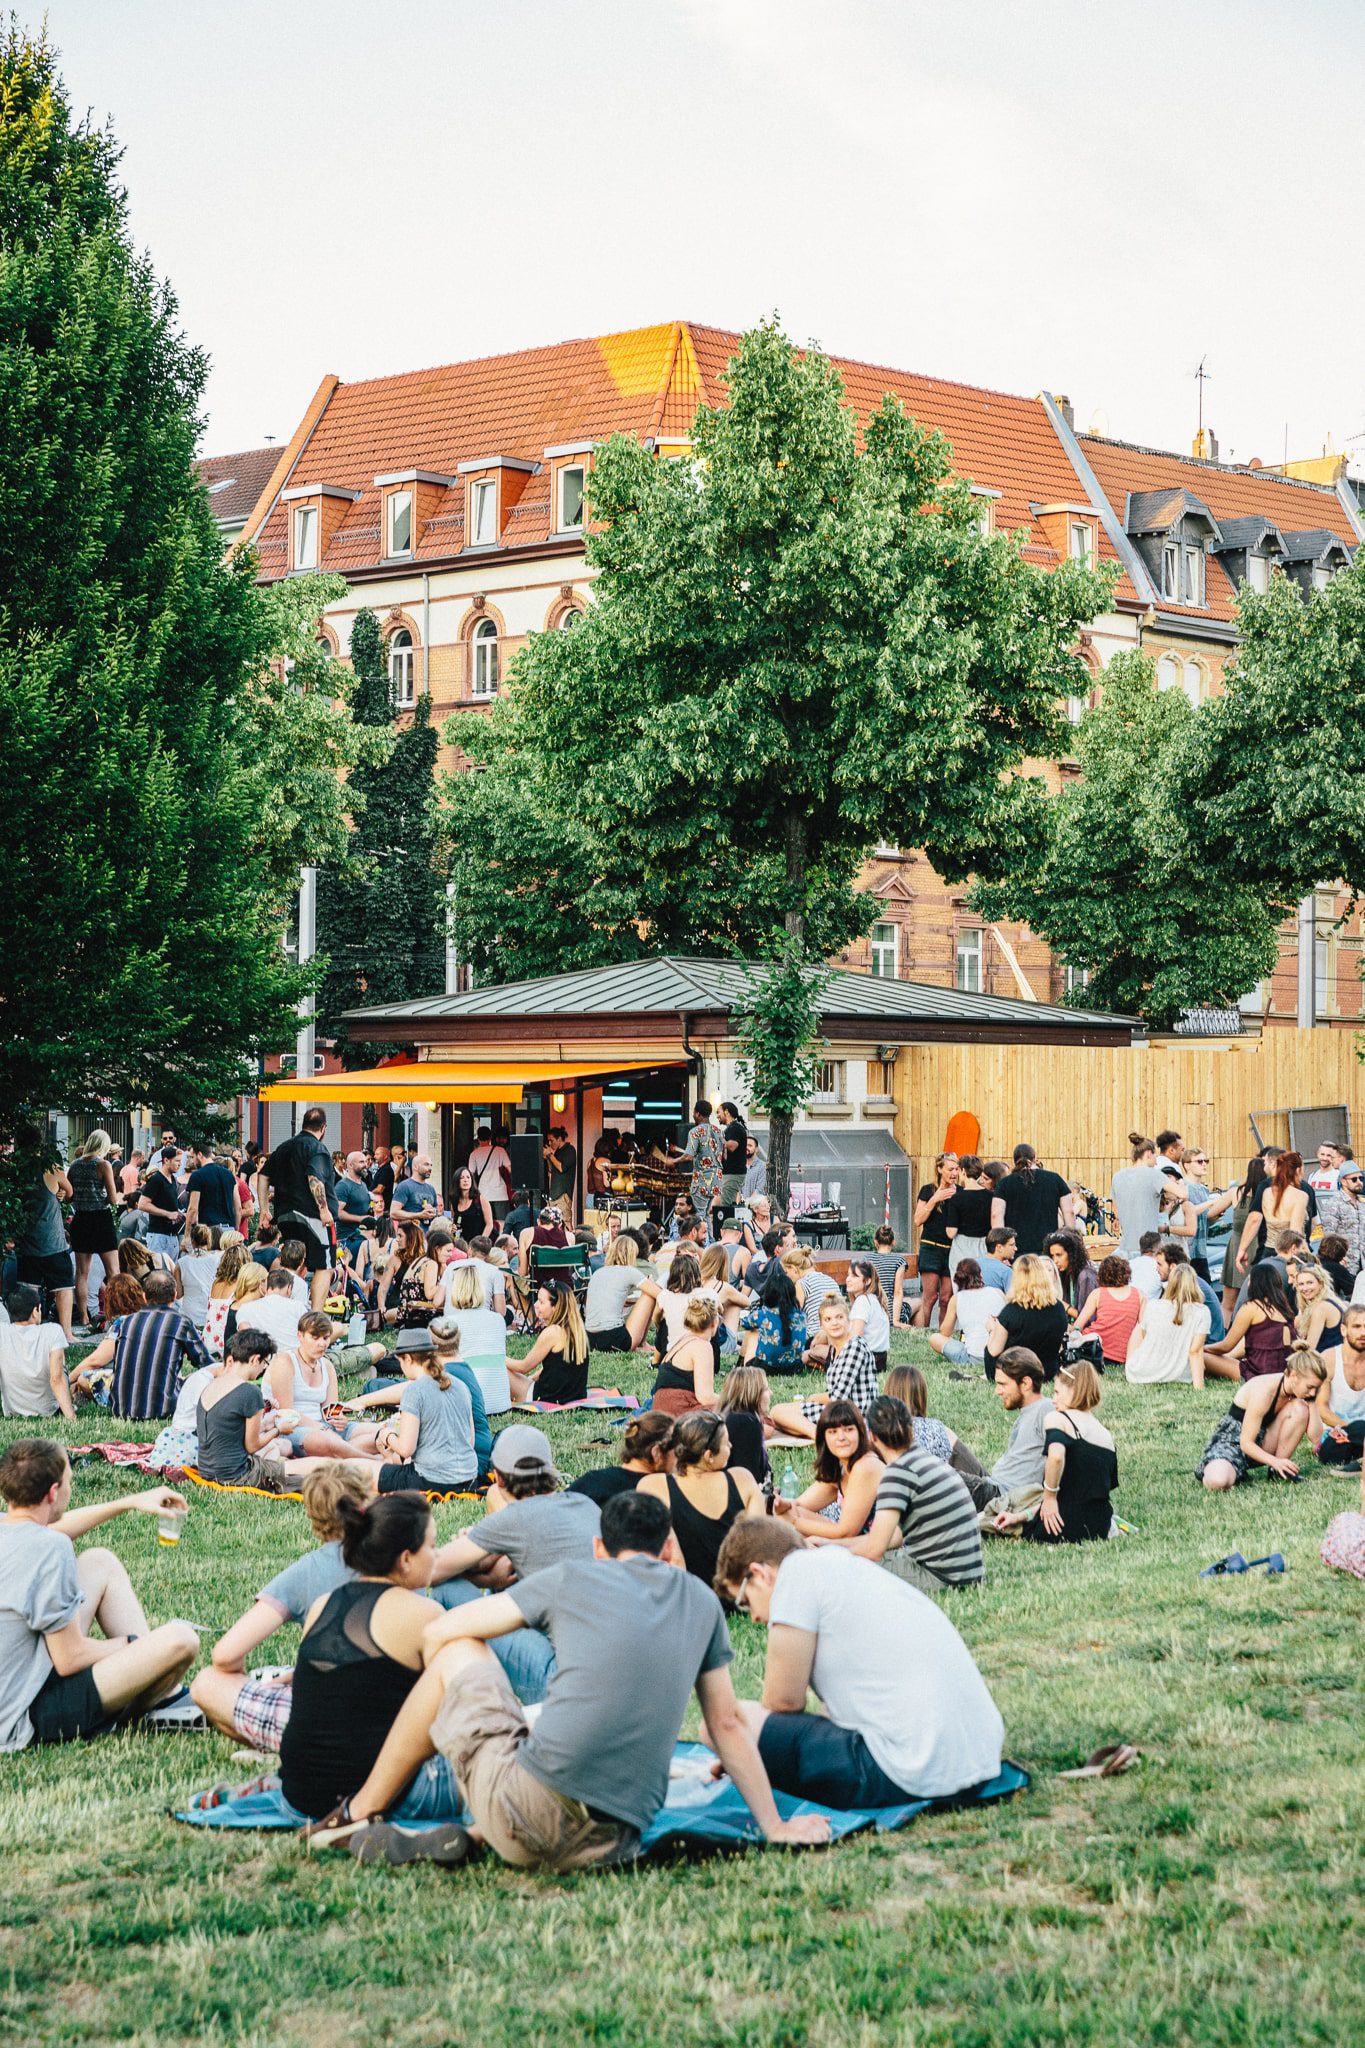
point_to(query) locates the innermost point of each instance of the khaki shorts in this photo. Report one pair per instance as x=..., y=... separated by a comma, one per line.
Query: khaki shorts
x=1020, y=1500
x=479, y=1729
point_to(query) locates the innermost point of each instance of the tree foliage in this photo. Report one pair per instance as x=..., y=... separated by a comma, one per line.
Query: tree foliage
x=801, y=644
x=381, y=898
x=164, y=781
x=1117, y=882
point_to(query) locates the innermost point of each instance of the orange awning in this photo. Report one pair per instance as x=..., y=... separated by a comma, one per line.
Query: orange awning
x=446, y=1080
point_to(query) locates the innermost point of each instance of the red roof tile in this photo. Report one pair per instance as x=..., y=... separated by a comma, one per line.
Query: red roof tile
x=235, y=482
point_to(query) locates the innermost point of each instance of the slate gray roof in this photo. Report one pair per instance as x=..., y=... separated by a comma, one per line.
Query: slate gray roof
x=1248, y=533
x=235, y=482
x=1158, y=511
x=1312, y=544
x=666, y=984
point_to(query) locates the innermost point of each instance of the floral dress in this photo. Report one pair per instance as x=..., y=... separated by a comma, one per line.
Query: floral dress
x=704, y=1144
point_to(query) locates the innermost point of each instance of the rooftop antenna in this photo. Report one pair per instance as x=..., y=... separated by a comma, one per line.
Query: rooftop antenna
x=1201, y=378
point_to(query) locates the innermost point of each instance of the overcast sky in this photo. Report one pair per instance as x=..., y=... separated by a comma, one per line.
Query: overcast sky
x=1083, y=195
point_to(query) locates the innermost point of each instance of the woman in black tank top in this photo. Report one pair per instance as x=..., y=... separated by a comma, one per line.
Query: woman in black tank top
x=361, y=1652
x=705, y=1499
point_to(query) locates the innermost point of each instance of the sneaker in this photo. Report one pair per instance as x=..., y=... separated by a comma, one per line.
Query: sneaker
x=333, y=1831
x=385, y=1841
x=177, y=1715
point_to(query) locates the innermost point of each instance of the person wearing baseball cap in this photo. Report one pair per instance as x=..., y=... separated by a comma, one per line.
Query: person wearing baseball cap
x=530, y=1523
x=633, y=1638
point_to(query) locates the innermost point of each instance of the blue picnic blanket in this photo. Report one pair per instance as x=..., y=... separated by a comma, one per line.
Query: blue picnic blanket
x=700, y=1812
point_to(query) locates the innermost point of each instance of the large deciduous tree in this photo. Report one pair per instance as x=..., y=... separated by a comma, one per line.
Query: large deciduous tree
x=164, y=778
x=801, y=644
x=1117, y=882
x=381, y=906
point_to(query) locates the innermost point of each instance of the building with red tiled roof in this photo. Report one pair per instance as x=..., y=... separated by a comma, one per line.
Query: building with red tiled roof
x=234, y=484
x=451, y=499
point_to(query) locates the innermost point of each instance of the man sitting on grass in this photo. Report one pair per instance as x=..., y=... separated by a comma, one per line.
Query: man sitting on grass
x=59, y=1683
x=154, y=1346
x=633, y=1636
x=924, y=1526
x=908, y=1715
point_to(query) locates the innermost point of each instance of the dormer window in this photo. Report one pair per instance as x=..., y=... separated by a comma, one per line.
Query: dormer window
x=483, y=513
x=305, y=536
x=1170, y=571
x=1194, y=575
x=1258, y=572
x=399, y=506
x=1082, y=543
x=983, y=509
x=569, y=498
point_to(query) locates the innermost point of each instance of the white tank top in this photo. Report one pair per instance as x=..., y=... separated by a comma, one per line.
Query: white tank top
x=305, y=1398
x=1345, y=1400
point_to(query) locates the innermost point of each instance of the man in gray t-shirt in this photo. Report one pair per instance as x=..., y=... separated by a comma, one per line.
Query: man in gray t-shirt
x=1137, y=1192
x=538, y=1527
x=633, y=1637
x=1014, y=1484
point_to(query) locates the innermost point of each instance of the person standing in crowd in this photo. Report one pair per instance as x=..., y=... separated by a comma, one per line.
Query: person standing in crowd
x=1331, y=1162
x=58, y=1681
x=1206, y=1205
x=1136, y=1192
x=1248, y=1199
x=211, y=1192
x=160, y=1204
x=755, y=1169
x=414, y=1195
x=94, y=1231
x=380, y=1179
x=734, y=1161
x=353, y=1210
x=491, y=1166
x=907, y=1714
x=1342, y=1214
x=932, y=1221
x=130, y=1175
x=297, y=1186
x=968, y=1215
x=1032, y=1200
x=1283, y=1205
x=561, y=1166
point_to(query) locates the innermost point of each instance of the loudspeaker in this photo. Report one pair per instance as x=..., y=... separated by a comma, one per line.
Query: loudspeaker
x=528, y=1165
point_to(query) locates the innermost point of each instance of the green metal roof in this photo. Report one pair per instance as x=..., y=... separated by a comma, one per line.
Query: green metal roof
x=667, y=984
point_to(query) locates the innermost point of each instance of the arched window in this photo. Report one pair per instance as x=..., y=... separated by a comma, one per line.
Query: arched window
x=570, y=619
x=485, y=671
x=1168, y=673
x=1194, y=681
x=400, y=669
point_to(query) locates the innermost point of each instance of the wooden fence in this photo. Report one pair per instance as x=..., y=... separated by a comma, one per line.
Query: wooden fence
x=1078, y=1104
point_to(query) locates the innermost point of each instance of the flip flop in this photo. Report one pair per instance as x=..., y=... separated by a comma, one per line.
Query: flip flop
x=1233, y=1563
x=1109, y=1762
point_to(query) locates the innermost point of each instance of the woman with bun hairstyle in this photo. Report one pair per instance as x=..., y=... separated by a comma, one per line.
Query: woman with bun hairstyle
x=359, y=1658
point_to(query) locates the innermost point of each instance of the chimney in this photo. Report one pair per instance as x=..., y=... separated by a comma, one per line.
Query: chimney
x=1205, y=445
x=1064, y=408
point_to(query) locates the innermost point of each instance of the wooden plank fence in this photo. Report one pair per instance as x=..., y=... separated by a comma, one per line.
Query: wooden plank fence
x=1078, y=1104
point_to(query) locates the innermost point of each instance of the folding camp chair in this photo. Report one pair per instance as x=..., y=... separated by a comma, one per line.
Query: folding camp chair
x=560, y=1262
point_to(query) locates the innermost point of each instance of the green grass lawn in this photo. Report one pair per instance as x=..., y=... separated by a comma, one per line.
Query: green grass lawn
x=1212, y=1895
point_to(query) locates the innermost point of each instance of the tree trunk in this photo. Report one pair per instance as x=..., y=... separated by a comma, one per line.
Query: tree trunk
x=780, y=1121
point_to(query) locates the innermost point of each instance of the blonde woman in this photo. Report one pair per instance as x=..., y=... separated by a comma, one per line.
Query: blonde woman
x=1081, y=1470
x=613, y=1291
x=197, y=1269
x=812, y=1289
x=1034, y=1316
x=746, y=1401
x=714, y=1266
x=1318, y=1321
x=93, y=1232
x=233, y=1260
x=1168, y=1341
x=555, y=1368
x=248, y=1288
x=686, y=1379
x=482, y=1334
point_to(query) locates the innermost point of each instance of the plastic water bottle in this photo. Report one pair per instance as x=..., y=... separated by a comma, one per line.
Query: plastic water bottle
x=355, y=1329
x=791, y=1485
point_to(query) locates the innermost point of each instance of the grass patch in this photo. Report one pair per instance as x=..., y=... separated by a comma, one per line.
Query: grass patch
x=1211, y=1896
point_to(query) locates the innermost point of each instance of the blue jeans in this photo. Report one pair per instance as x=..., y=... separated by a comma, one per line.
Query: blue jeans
x=433, y=1795
x=525, y=1655
x=377, y=1386
x=159, y=1241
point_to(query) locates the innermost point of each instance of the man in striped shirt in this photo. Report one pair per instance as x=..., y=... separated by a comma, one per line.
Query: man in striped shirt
x=146, y=1354
x=924, y=1527
x=850, y=1373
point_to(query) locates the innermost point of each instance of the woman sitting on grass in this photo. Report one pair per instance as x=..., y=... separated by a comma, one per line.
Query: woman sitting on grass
x=1081, y=1470
x=773, y=1333
x=233, y=1260
x=556, y=1366
x=961, y=1333
x=613, y=1291
x=1262, y=1329
x=666, y=1301
x=703, y=1498
x=1265, y=1424
x=850, y=1372
x=250, y=1286
x=255, y=1710
x=745, y=1402
x=1033, y=1317
x=867, y=1313
x=1112, y=1309
x=360, y=1657
x=686, y=1379
x=239, y=1443
x=1318, y=1321
x=714, y=1267
x=907, y=1383
x=647, y=1448
x=838, y=1507
x=303, y=1383
x=431, y=1441
x=1168, y=1343
x=1066, y=1249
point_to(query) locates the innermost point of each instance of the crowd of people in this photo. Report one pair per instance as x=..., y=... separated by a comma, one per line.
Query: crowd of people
x=532, y=1672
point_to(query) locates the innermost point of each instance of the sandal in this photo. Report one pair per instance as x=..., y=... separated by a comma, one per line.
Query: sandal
x=1109, y=1762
